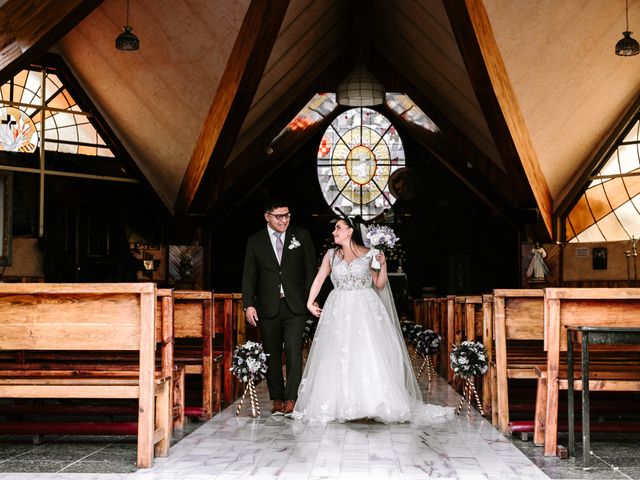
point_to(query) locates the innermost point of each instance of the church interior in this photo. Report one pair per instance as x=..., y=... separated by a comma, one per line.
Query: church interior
x=140, y=140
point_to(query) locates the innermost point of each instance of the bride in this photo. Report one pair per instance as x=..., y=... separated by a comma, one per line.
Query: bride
x=358, y=366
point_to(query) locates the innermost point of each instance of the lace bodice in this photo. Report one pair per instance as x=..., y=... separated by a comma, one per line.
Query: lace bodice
x=350, y=276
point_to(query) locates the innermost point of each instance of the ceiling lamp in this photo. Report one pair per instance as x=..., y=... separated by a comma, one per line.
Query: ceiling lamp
x=360, y=89
x=627, y=46
x=127, y=40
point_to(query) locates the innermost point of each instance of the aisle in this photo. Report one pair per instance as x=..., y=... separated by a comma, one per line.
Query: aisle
x=231, y=448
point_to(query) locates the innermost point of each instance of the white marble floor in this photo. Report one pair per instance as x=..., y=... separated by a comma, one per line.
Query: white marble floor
x=231, y=447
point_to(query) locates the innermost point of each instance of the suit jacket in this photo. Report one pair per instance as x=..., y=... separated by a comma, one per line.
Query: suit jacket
x=262, y=275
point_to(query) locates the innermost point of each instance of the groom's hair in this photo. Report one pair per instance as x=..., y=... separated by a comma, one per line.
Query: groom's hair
x=271, y=204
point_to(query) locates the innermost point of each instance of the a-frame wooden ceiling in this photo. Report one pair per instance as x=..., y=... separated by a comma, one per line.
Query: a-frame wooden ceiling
x=523, y=91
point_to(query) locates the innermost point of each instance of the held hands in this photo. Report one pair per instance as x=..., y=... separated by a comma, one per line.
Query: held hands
x=251, y=314
x=314, y=309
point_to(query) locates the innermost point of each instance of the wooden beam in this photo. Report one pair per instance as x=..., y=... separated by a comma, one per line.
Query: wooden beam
x=233, y=98
x=253, y=165
x=499, y=104
x=449, y=145
x=29, y=28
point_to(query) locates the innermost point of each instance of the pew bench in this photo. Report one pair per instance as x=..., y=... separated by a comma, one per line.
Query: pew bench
x=229, y=332
x=488, y=380
x=123, y=364
x=518, y=336
x=85, y=318
x=194, y=331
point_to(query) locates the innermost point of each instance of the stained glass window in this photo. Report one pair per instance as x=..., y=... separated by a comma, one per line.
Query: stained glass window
x=407, y=109
x=320, y=105
x=609, y=210
x=23, y=110
x=358, y=153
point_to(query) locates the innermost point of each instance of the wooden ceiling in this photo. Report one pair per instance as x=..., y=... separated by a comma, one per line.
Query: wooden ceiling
x=524, y=92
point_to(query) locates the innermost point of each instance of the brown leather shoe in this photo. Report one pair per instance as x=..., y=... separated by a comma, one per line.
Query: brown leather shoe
x=288, y=407
x=278, y=408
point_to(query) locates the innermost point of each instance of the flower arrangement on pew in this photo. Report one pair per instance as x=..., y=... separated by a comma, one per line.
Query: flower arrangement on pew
x=381, y=237
x=427, y=345
x=249, y=364
x=469, y=359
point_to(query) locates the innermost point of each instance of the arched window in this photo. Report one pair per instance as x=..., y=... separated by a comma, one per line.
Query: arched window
x=37, y=96
x=609, y=210
x=358, y=153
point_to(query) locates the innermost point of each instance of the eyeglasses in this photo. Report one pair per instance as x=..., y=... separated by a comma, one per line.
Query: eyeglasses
x=280, y=216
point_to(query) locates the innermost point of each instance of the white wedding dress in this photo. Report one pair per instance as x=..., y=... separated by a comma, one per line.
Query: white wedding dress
x=358, y=366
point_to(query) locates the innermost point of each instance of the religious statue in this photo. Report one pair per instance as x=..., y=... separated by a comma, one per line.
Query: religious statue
x=537, y=268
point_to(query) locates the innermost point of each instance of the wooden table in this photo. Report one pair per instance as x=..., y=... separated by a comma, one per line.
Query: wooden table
x=593, y=336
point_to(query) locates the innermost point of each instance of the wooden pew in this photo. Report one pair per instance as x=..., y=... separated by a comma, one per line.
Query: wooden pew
x=90, y=317
x=419, y=311
x=518, y=330
x=473, y=317
x=488, y=380
x=193, y=332
x=433, y=309
x=587, y=307
x=229, y=332
x=113, y=363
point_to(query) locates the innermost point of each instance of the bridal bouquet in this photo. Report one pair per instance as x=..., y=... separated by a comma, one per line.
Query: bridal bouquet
x=249, y=362
x=469, y=359
x=380, y=237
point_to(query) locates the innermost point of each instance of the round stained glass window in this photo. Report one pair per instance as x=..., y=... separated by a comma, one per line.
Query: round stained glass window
x=357, y=155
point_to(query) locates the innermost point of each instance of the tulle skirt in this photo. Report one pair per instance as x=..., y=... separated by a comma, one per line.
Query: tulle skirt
x=358, y=366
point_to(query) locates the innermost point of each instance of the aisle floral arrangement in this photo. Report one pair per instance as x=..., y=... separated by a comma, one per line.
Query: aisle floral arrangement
x=469, y=359
x=249, y=364
x=406, y=326
x=426, y=344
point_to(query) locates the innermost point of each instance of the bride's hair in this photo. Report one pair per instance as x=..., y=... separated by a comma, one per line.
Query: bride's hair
x=356, y=236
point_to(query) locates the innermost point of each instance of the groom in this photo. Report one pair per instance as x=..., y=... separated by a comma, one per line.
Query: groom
x=279, y=267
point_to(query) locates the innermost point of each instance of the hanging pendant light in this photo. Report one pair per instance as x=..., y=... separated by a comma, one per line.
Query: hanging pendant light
x=627, y=46
x=360, y=89
x=127, y=40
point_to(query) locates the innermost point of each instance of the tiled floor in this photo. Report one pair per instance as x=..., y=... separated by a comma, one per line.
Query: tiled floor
x=230, y=447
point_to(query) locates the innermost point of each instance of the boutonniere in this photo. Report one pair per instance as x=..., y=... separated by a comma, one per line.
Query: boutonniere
x=294, y=243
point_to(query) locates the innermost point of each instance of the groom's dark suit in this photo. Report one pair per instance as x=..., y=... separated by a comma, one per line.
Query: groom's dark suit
x=281, y=319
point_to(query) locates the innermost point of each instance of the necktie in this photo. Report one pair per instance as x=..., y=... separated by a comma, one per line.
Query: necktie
x=279, y=246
